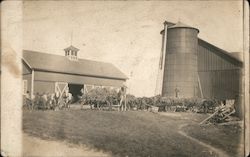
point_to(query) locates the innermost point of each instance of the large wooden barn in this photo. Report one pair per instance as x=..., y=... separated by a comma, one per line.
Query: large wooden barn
x=43, y=72
x=219, y=72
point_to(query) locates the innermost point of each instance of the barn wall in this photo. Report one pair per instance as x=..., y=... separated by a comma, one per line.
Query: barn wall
x=219, y=75
x=28, y=78
x=44, y=86
x=76, y=79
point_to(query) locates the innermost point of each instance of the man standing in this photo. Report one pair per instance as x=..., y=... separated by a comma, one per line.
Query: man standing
x=122, y=97
x=177, y=91
x=57, y=97
x=28, y=101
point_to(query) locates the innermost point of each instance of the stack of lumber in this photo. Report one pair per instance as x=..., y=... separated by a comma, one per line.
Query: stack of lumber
x=222, y=114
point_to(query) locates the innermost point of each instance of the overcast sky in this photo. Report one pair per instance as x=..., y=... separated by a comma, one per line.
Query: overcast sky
x=126, y=33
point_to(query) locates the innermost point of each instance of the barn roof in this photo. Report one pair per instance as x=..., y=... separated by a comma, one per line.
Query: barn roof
x=220, y=51
x=61, y=64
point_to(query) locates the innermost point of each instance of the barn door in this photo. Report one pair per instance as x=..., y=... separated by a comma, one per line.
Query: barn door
x=61, y=87
x=88, y=88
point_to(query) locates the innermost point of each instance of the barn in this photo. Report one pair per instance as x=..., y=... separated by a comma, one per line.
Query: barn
x=43, y=72
x=193, y=67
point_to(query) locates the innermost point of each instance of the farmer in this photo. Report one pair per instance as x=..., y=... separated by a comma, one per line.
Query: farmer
x=122, y=97
x=64, y=96
x=57, y=97
x=44, y=100
x=177, y=91
x=51, y=101
x=69, y=99
x=28, y=101
x=36, y=101
x=80, y=96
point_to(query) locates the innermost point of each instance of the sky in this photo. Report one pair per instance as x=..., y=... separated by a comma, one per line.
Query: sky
x=127, y=33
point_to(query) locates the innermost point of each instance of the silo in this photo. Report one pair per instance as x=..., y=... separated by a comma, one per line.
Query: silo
x=180, y=78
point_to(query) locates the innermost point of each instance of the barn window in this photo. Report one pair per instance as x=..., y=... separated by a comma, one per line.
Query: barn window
x=25, y=86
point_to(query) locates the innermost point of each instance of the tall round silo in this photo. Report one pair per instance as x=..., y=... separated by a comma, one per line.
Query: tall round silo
x=180, y=78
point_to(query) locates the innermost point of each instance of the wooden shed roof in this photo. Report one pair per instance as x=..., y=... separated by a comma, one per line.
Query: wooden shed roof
x=61, y=64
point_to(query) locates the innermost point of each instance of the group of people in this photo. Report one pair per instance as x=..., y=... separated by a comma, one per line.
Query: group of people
x=58, y=100
x=47, y=101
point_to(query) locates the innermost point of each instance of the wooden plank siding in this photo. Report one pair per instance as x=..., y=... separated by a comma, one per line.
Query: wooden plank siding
x=76, y=79
x=219, y=75
x=44, y=87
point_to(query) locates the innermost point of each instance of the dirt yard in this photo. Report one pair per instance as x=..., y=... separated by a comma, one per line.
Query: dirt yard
x=134, y=133
x=33, y=146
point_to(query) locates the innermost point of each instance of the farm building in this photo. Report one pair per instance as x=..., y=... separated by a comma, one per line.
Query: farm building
x=192, y=67
x=49, y=73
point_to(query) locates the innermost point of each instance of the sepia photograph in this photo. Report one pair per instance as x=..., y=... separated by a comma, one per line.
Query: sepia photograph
x=124, y=78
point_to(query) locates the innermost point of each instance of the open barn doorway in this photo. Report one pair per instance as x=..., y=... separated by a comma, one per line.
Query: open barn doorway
x=75, y=90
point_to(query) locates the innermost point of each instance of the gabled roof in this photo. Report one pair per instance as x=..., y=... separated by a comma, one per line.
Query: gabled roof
x=71, y=48
x=61, y=64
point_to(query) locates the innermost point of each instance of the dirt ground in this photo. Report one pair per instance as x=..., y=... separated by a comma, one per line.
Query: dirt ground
x=37, y=147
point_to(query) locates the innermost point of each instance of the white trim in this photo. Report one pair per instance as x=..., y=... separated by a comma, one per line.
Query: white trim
x=25, y=86
x=32, y=83
x=57, y=87
x=26, y=63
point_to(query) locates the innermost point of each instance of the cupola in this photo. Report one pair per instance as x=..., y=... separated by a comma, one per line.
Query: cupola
x=71, y=53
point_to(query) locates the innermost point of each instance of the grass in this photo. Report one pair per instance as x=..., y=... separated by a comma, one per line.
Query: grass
x=226, y=137
x=119, y=133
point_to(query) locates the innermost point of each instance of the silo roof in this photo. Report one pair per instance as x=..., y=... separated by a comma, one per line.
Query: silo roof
x=182, y=25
